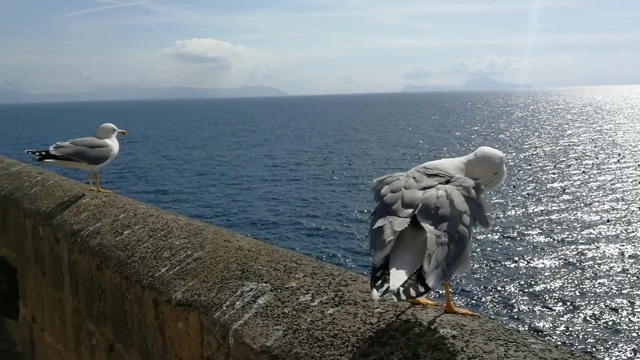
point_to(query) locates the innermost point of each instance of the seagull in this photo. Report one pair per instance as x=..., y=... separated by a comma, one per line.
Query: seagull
x=87, y=153
x=421, y=228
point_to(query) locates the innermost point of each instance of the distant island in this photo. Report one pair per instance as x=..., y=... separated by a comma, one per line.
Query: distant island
x=107, y=93
x=475, y=84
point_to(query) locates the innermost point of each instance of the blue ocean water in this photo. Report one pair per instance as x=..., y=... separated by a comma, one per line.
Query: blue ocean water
x=562, y=259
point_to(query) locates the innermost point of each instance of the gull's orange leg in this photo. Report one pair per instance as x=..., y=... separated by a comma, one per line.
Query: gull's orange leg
x=98, y=188
x=90, y=183
x=448, y=306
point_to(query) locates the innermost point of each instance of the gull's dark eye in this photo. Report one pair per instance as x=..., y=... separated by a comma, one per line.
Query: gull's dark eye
x=495, y=173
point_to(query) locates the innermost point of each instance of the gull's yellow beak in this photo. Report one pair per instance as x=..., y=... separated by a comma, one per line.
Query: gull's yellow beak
x=122, y=132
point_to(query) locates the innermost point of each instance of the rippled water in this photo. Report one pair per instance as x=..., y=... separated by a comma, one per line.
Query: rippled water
x=562, y=259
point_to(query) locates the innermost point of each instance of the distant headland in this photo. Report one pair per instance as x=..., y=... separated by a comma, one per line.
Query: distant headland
x=108, y=93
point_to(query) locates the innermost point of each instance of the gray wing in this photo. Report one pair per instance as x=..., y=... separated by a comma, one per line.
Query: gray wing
x=398, y=196
x=89, y=150
x=448, y=212
x=414, y=211
x=395, y=241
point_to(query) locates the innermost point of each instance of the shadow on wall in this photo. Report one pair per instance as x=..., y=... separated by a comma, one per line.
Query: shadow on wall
x=390, y=342
x=9, y=293
x=9, y=309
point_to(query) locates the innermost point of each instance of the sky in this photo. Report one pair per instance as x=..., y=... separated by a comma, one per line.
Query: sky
x=308, y=47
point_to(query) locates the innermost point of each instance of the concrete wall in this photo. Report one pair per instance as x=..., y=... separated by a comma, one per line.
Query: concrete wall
x=101, y=276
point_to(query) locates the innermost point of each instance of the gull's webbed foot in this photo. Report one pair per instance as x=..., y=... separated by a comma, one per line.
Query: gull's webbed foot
x=423, y=301
x=98, y=188
x=448, y=305
x=450, y=309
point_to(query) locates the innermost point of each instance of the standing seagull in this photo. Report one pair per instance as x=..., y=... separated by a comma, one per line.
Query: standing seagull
x=87, y=153
x=422, y=225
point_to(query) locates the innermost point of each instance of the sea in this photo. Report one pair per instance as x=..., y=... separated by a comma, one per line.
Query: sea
x=561, y=260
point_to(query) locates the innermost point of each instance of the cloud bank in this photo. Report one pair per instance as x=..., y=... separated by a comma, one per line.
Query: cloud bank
x=207, y=51
x=494, y=66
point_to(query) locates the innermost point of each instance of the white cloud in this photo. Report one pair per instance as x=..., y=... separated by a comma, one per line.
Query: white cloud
x=503, y=67
x=208, y=62
x=219, y=53
x=491, y=65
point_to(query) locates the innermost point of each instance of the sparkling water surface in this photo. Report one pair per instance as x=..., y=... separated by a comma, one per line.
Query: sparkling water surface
x=562, y=259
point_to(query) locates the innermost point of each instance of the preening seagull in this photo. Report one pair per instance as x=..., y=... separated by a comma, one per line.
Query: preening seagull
x=87, y=153
x=422, y=225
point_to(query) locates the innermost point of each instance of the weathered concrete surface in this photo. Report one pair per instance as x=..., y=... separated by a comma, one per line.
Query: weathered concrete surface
x=102, y=276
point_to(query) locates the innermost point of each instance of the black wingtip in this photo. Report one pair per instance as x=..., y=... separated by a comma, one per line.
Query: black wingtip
x=36, y=152
x=40, y=155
